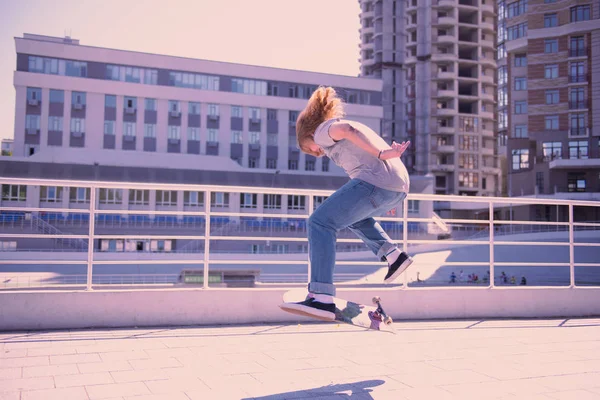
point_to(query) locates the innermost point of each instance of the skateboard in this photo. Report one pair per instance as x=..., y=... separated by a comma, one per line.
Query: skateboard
x=369, y=317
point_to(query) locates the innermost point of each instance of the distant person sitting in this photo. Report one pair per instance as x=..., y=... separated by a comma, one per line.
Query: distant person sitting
x=513, y=280
x=452, y=277
x=523, y=281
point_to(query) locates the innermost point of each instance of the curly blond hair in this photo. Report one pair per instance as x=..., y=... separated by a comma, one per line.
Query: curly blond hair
x=323, y=104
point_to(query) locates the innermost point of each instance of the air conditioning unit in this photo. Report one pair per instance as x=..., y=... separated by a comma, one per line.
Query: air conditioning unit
x=77, y=134
x=175, y=114
x=173, y=141
x=77, y=106
x=33, y=102
x=294, y=150
x=213, y=117
x=32, y=131
x=254, y=146
x=255, y=120
x=129, y=138
x=212, y=144
x=129, y=110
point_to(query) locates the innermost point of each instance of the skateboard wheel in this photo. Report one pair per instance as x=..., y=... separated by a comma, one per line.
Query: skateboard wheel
x=388, y=320
x=376, y=299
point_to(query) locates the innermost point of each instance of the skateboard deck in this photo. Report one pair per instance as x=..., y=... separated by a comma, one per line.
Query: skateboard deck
x=348, y=312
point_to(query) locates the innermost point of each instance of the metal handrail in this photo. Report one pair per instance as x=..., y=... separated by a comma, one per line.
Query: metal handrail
x=489, y=203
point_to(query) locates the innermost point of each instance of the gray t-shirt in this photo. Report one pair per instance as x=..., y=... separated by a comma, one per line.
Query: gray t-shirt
x=386, y=174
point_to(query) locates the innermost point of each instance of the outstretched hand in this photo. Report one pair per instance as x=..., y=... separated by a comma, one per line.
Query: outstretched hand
x=397, y=149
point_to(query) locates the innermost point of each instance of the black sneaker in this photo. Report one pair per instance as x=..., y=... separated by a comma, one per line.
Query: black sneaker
x=311, y=308
x=398, y=267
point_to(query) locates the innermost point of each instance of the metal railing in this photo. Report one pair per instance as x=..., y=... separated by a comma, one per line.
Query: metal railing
x=486, y=205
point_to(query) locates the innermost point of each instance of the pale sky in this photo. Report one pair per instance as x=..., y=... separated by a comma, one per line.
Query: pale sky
x=312, y=35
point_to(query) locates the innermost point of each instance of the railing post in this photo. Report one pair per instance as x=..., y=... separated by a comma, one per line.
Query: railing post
x=90, y=260
x=571, y=248
x=405, y=236
x=207, y=201
x=311, y=204
x=491, y=221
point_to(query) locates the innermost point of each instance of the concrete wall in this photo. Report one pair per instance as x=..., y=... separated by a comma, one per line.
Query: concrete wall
x=157, y=307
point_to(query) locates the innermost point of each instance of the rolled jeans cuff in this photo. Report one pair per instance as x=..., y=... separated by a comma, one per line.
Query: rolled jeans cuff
x=385, y=249
x=321, y=288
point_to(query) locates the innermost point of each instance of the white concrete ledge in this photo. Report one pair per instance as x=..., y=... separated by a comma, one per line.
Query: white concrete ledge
x=35, y=310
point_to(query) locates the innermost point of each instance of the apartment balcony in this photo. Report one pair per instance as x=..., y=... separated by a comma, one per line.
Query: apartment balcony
x=487, y=26
x=578, y=52
x=448, y=39
x=367, y=14
x=487, y=79
x=449, y=93
x=442, y=167
x=487, y=44
x=491, y=170
x=578, y=104
x=487, y=151
x=487, y=97
x=444, y=111
x=364, y=30
x=487, y=7
x=446, y=129
x=487, y=132
x=446, y=148
x=579, y=132
x=443, y=57
x=486, y=115
x=578, y=78
x=445, y=75
x=446, y=21
x=446, y=3
x=574, y=163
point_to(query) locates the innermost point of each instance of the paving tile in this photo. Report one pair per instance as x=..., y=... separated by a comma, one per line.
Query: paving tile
x=574, y=394
x=170, y=396
x=117, y=390
x=23, y=362
x=96, y=378
x=50, y=370
x=16, y=353
x=172, y=385
x=12, y=385
x=10, y=396
x=109, y=366
x=441, y=378
x=11, y=373
x=74, y=393
x=75, y=359
x=139, y=376
x=154, y=363
x=124, y=355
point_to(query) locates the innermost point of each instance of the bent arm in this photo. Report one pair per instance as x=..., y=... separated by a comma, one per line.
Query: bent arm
x=343, y=130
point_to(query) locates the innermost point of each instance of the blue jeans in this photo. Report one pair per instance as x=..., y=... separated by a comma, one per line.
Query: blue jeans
x=352, y=206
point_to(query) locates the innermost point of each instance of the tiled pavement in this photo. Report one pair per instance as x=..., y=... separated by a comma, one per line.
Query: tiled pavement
x=489, y=359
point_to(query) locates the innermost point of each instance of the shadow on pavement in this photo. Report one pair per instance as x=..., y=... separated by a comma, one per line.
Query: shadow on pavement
x=357, y=390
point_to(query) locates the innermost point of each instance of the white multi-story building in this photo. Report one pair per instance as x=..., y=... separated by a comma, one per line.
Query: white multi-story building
x=436, y=59
x=88, y=113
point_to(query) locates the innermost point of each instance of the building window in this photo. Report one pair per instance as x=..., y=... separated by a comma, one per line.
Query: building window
x=552, y=96
x=212, y=135
x=236, y=111
x=193, y=108
x=520, y=107
x=516, y=31
x=193, y=133
x=272, y=139
x=254, y=137
x=219, y=200
x=109, y=127
x=150, y=130
x=139, y=197
x=254, y=113
x=174, y=132
x=272, y=89
x=413, y=206
x=150, y=104
x=213, y=110
x=550, y=20
x=111, y=196
x=78, y=98
x=578, y=149
x=272, y=201
x=551, y=46
x=516, y=8
x=577, y=98
x=325, y=164
x=520, y=60
x=296, y=202
x=271, y=163
x=551, y=122
x=502, y=75
x=248, y=200
x=552, y=150
x=551, y=71
x=129, y=129
x=467, y=161
x=576, y=182
x=580, y=13
x=520, y=131
x=293, y=165
x=79, y=195
x=521, y=83
x=577, y=72
x=469, y=143
x=520, y=159
x=252, y=162
x=272, y=115
x=166, y=197
x=57, y=96
x=55, y=124
x=502, y=119
x=196, y=81
x=249, y=86
x=32, y=122
x=78, y=125
x=539, y=181
x=14, y=192
x=577, y=124
x=236, y=137
x=193, y=199
x=577, y=46
x=468, y=179
x=309, y=165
